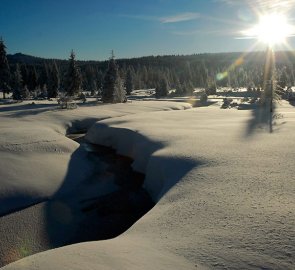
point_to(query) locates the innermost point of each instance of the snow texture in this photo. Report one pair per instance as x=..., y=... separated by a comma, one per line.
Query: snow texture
x=224, y=186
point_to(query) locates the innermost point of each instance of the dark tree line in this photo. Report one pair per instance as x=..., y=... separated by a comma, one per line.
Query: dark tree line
x=32, y=76
x=4, y=70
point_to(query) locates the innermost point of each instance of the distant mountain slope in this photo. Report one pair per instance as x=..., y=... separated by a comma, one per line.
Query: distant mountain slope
x=28, y=59
x=166, y=60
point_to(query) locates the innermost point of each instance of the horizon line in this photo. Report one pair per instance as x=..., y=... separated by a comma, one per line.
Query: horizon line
x=143, y=56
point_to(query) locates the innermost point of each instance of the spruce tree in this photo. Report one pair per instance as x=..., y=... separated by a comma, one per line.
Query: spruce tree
x=73, y=79
x=112, y=90
x=188, y=88
x=178, y=88
x=129, y=82
x=25, y=93
x=162, y=88
x=17, y=84
x=53, y=81
x=4, y=70
x=43, y=76
x=25, y=74
x=90, y=80
x=33, y=79
x=99, y=82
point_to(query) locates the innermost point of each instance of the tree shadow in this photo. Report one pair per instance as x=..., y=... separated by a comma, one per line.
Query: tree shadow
x=166, y=172
x=100, y=198
x=109, y=196
x=81, y=126
x=261, y=119
x=27, y=109
x=18, y=202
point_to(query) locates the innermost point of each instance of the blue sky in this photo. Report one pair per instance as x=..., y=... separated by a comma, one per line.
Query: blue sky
x=132, y=28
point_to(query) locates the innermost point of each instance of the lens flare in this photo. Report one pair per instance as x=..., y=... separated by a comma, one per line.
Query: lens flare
x=222, y=75
x=272, y=29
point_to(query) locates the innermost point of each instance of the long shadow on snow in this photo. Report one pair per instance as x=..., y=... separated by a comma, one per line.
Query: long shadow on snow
x=261, y=119
x=28, y=109
x=100, y=198
x=24, y=107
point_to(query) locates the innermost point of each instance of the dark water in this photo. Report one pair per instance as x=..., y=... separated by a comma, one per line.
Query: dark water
x=112, y=214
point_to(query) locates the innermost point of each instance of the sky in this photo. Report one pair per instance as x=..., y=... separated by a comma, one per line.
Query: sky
x=132, y=28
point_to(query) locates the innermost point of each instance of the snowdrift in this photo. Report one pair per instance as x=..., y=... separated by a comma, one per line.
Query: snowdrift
x=223, y=186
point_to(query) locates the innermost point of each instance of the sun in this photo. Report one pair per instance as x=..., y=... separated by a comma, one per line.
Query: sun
x=271, y=29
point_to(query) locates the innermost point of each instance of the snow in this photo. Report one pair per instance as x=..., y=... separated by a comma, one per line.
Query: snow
x=223, y=185
x=32, y=140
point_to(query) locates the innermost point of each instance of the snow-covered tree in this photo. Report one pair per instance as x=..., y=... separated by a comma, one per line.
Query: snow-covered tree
x=99, y=80
x=43, y=75
x=90, y=80
x=162, y=88
x=112, y=90
x=17, y=83
x=25, y=93
x=188, y=88
x=4, y=70
x=32, y=80
x=178, y=88
x=53, y=81
x=129, y=82
x=73, y=77
x=25, y=74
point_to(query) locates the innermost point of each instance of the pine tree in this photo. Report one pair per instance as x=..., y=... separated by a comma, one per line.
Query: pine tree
x=283, y=79
x=178, y=88
x=162, y=88
x=17, y=84
x=112, y=90
x=90, y=80
x=4, y=70
x=129, y=82
x=188, y=88
x=73, y=78
x=25, y=93
x=43, y=76
x=25, y=74
x=53, y=81
x=33, y=79
x=99, y=81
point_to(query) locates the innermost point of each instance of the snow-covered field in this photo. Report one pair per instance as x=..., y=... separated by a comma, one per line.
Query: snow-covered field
x=223, y=186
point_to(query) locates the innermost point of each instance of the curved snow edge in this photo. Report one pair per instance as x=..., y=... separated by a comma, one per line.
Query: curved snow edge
x=162, y=171
x=126, y=142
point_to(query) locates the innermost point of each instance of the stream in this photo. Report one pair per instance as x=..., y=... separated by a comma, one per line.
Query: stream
x=102, y=208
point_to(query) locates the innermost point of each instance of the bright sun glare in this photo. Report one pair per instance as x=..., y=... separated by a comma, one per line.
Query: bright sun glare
x=272, y=29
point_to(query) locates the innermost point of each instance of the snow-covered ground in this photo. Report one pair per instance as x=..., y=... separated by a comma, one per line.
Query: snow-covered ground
x=223, y=185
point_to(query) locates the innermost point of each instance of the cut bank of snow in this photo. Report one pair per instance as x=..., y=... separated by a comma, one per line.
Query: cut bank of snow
x=224, y=189
x=35, y=154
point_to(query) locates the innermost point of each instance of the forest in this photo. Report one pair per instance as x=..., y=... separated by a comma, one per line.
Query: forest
x=181, y=72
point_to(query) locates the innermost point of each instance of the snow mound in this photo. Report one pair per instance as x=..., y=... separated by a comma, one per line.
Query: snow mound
x=162, y=171
x=36, y=157
x=224, y=189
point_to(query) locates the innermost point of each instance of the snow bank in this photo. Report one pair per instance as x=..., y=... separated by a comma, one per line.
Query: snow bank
x=224, y=189
x=162, y=171
x=33, y=163
x=219, y=180
x=122, y=253
x=36, y=156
